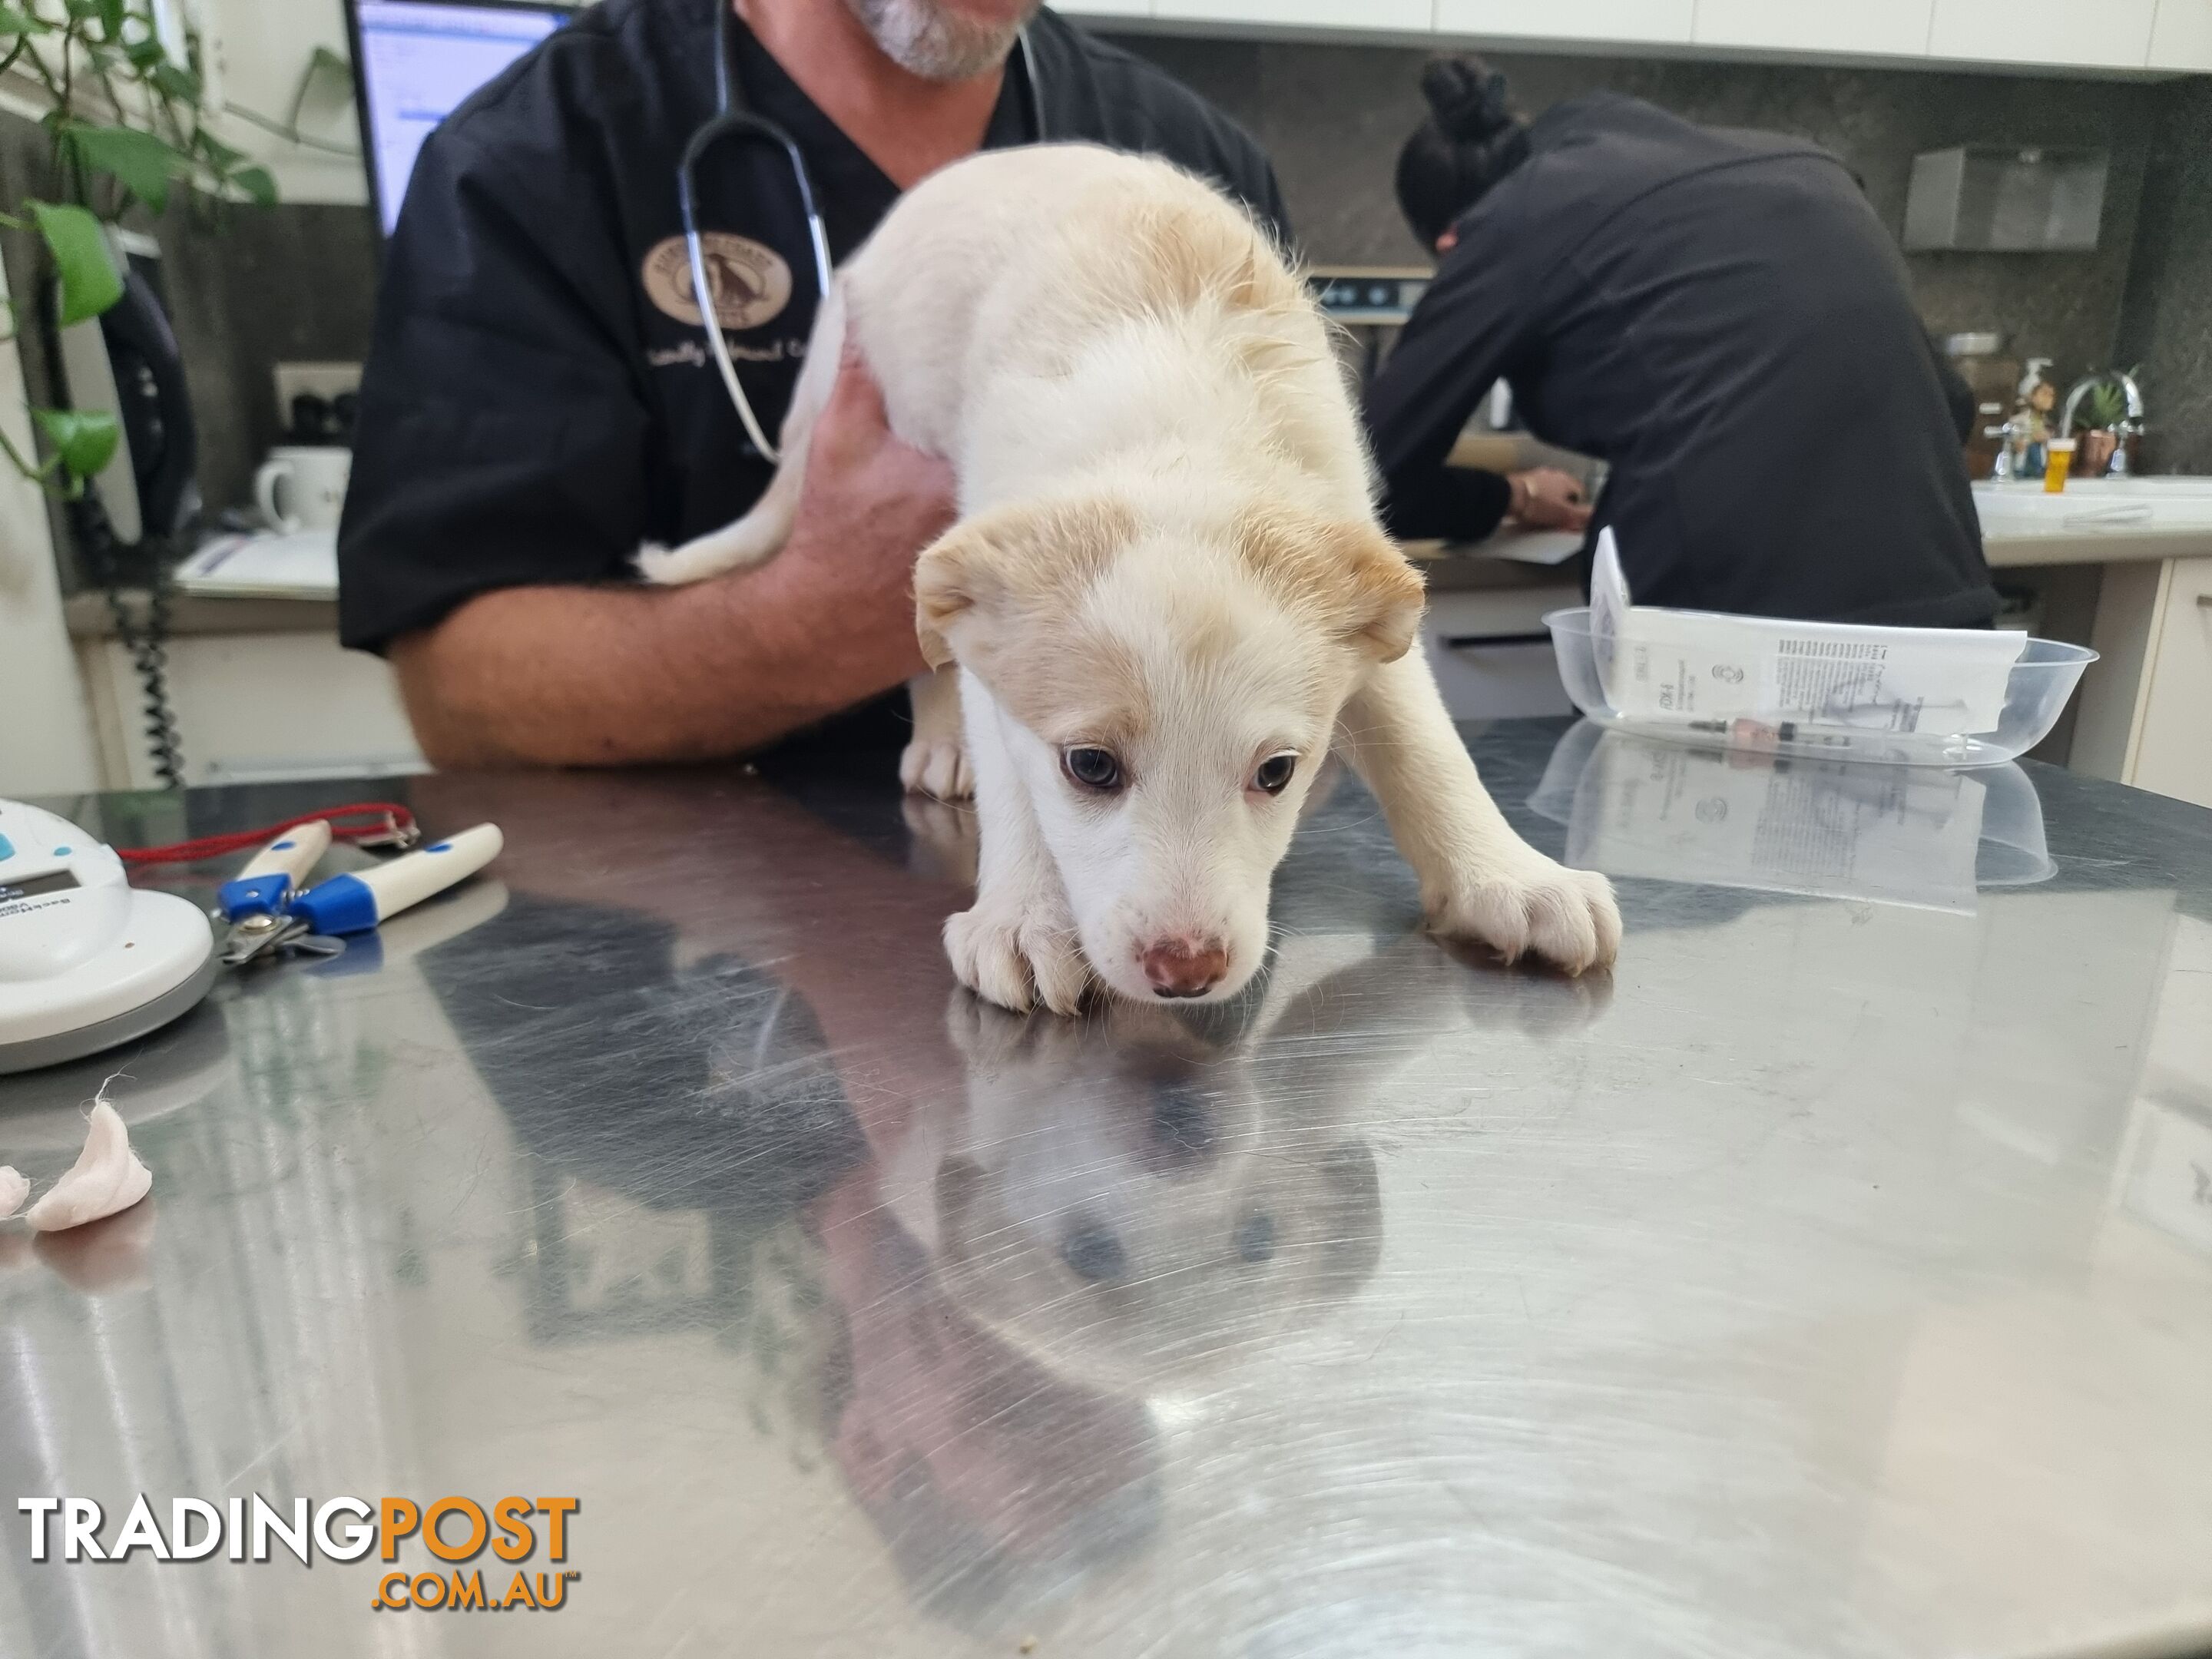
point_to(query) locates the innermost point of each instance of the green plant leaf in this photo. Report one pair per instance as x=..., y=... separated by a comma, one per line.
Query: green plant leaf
x=219, y=155
x=143, y=163
x=85, y=440
x=13, y=19
x=174, y=81
x=90, y=282
x=257, y=184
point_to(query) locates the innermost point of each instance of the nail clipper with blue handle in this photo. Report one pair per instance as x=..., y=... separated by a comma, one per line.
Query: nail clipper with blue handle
x=255, y=901
x=354, y=903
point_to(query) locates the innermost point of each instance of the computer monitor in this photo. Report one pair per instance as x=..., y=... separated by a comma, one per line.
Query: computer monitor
x=415, y=61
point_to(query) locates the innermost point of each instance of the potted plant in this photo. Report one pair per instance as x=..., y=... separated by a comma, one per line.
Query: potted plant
x=127, y=127
x=2100, y=428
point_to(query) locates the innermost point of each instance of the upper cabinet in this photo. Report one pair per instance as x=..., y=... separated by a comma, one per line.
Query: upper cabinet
x=1630, y=22
x=2151, y=36
x=2064, y=33
x=1891, y=28
x=2181, y=35
x=1400, y=16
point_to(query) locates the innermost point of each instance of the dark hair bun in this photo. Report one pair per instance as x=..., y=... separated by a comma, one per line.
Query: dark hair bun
x=1467, y=99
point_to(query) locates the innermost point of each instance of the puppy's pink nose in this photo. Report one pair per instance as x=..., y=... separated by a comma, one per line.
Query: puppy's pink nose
x=1185, y=967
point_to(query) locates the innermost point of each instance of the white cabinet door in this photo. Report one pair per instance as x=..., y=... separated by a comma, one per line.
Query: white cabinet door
x=2181, y=35
x=1639, y=21
x=252, y=707
x=2172, y=750
x=2065, y=34
x=1886, y=29
x=1392, y=17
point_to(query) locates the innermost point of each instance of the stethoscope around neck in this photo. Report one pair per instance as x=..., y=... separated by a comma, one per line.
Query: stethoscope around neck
x=733, y=119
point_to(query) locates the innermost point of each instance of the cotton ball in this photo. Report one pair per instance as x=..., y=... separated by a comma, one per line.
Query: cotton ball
x=107, y=1177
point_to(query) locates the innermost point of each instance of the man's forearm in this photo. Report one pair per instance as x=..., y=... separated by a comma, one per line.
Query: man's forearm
x=604, y=676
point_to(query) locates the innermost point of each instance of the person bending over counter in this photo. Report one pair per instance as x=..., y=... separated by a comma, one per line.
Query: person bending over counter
x=1719, y=316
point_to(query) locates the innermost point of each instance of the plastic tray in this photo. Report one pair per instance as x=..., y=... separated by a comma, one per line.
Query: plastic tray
x=2035, y=696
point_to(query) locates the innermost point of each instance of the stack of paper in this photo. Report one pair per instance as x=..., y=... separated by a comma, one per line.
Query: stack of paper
x=303, y=565
x=1678, y=667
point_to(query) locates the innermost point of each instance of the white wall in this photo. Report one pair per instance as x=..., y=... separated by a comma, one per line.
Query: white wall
x=258, y=50
x=45, y=729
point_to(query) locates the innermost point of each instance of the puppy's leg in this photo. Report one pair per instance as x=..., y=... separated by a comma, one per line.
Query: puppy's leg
x=1018, y=945
x=760, y=535
x=936, y=762
x=1479, y=879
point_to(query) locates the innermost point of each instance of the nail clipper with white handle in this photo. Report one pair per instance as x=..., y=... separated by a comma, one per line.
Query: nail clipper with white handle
x=354, y=903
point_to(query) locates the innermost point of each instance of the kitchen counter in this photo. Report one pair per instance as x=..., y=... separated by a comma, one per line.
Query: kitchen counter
x=1833, y=1278
x=2096, y=521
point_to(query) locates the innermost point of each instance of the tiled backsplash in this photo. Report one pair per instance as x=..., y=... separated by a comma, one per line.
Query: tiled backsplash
x=2165, y=324
x=1333, y=117
x=293, y=285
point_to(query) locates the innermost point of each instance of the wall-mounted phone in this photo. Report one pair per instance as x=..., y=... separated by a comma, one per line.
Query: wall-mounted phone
x=128, y=527
x=125, y=361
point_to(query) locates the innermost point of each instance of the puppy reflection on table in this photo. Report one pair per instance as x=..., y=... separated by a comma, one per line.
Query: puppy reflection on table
x=967, y=1255
x=1084, y=1215
x=1126, y=1203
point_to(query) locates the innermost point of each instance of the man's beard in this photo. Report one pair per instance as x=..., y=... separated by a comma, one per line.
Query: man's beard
x=926, y=38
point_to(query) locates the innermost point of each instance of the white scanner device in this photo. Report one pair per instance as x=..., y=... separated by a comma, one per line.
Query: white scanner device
x=87, y=961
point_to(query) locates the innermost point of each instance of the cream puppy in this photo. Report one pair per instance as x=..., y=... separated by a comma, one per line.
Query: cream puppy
x=1167, y=597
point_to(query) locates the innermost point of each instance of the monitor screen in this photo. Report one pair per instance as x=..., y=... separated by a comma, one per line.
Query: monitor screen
x=417, y=61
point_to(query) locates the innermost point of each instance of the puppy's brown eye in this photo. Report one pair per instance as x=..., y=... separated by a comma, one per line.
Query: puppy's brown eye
x=1274, y=774
x=1094, y=768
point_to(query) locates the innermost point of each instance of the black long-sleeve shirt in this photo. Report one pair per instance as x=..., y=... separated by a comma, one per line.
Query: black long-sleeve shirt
x=1720, y=316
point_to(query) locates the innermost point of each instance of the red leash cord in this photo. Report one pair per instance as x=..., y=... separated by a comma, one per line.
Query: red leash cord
x=388, y=823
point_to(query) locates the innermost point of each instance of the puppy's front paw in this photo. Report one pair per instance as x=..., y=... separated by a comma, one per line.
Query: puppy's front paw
x=1532, y=906
x=1017, y=958
x=939, y=766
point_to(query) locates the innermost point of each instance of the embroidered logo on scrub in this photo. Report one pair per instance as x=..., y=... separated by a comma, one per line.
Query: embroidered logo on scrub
x=751, y=283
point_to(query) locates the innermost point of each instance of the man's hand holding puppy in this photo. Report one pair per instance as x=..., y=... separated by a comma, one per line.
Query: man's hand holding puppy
x=827, y=624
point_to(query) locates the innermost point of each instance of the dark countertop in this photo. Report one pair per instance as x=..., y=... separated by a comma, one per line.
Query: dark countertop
x=1834, y=1278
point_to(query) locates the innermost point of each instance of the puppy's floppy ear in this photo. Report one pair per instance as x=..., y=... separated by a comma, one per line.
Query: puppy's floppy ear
x=1001, y=564
x=1352, y=573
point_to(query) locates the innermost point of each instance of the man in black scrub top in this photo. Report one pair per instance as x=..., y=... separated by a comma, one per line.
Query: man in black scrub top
x=539, y=400
x=1717, y=314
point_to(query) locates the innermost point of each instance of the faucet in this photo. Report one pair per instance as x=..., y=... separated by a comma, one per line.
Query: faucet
x=2128, y=427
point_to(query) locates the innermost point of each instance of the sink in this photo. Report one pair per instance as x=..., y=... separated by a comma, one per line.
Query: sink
x=2098, y=507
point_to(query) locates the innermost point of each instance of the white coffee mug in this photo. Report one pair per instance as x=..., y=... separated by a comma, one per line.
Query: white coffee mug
x=303, y=488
